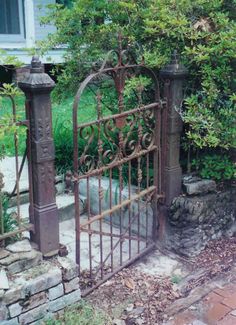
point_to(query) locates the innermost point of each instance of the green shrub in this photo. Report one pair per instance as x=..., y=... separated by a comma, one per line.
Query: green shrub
x=217, y=167
x=202, y=31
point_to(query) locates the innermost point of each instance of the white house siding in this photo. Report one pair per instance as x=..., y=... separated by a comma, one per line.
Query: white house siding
x=40, y=10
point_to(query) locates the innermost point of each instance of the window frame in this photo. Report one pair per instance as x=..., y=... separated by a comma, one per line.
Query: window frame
x=16, y=37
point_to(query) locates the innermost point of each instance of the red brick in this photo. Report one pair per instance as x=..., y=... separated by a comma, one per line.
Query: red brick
x=185, y=318
x=227, y=320
x=230, y=301
x=212, y=297
x=227, y=291
x=216, y=312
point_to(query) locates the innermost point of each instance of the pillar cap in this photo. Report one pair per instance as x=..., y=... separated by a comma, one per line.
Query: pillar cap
x=175, y=69
x=36, y=79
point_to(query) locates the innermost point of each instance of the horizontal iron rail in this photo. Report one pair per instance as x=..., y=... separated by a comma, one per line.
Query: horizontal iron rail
x=117, y=163
x=118, y=269
x=96, y=232
x=28, y=227
x=120, y=115
x=120, y=206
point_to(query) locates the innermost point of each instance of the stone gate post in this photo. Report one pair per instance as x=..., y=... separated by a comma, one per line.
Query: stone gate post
x=173, y=76
x=37, y=87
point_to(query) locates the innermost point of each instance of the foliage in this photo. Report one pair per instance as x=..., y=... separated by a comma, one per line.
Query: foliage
x=82, y=314
x=9, y=223
x=202, y=31
x=8, y=122
x=217, y=167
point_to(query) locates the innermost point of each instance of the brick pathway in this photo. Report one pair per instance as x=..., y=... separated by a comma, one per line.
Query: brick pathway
x=217, y=308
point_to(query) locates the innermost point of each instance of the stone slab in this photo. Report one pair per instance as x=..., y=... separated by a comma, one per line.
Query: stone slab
x=15, y=309
x=145, y=209
x=44, y=281
x=71, y=285
x=18, y=262
x=33, y=315
x=31, y=282
x=8, y=168
x=4, y=284
x=20, y=246
x=200, y=187
x=34, y=301
x=64, y=301
x=69, y=268
x=3, y=253
x=3, y=312
x=10, y=322
x=65, y=204
x=56, y=292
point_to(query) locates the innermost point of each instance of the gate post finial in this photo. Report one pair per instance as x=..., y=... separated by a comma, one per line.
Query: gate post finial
x=173, y=75
x=37, y=87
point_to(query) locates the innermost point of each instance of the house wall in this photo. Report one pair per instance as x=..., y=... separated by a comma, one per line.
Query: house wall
x=40, y=10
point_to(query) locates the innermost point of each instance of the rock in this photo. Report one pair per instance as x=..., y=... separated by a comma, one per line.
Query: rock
x=56, y=292
x=64, y=301
x=33, y=315
x=4, y=284
x=129, y=308
x=44, y=281
x=69, y=268
x=195, y=220
x=14, y=295
x=34, y=301
x=8, y=168
x=118, y=322
x=3, y=253
x=10, y=322
x=71, y=285
x=200, y=187
x=20, y=246
x=145, y=208
x=18, y=262
x=138, y=311
x=3, y=313
x=233, y=312
x=15, y=309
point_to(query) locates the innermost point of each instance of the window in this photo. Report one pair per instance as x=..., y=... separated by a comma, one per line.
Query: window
x=11, y=20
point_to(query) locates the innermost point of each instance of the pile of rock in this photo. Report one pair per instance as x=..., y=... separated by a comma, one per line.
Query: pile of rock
x=201, y=215
x=32, y=289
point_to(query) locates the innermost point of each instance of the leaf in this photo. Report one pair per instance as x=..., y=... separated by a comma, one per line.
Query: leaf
x=129, y=283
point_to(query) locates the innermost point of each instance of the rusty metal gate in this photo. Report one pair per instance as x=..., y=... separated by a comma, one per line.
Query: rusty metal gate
x=117, y=166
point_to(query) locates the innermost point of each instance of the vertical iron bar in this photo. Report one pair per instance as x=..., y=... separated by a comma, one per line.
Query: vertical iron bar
x=100, y=194
x=147, y=185
x=89, y=228
x=120, y=212
x=100, y=190
x=76, y=185
x=1, y=207
x=129, y=189
x=139, y=189
x=16, y=164
x=111, y=219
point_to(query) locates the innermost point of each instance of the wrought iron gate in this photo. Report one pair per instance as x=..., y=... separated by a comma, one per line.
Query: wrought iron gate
x=117, y=166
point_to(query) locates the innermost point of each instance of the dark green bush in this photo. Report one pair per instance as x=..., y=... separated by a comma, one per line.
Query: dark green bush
x=217, y=167
x=202, y=31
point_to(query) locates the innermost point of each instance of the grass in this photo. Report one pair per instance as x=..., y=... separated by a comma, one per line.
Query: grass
x=82, y=314
x=62, y=122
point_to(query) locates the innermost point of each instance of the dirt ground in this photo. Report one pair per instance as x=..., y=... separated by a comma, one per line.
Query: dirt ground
x=136, y=297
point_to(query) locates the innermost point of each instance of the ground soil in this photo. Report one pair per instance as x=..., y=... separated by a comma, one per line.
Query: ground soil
x=134, y=297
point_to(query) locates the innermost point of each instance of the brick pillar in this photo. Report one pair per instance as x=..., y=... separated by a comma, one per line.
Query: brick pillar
x=37, y=87
x=173, y=76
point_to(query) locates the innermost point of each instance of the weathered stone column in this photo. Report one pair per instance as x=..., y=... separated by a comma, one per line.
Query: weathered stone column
x=173, y=76
x=37, y=87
